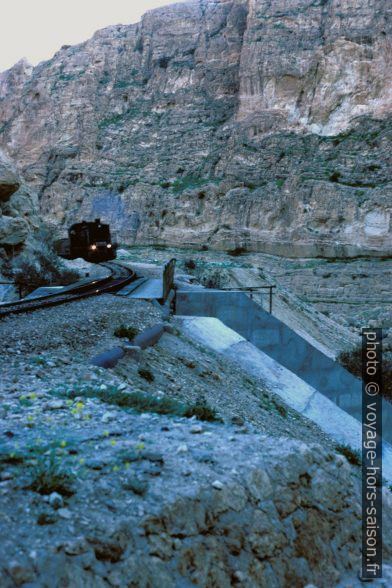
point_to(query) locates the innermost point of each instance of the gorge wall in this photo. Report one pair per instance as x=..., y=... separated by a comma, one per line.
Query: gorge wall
x=19, y=215
x=227, y=123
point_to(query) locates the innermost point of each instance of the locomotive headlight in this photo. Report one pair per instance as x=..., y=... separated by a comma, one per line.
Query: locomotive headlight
x=108, y=246
x=93, y=247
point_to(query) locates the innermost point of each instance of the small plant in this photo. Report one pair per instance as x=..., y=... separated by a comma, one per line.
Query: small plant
x=350, y=454
x=11, y=458
x=145, y=402
x=46, y=519
x=125, y=332
x=146, y=374
x=271, y=405
x=49, y=475
x=190, y=264
x=352, y=361
x=237, y=251
x=136, y=485
x=203, y=412
x=334, y=177
x=281, y=409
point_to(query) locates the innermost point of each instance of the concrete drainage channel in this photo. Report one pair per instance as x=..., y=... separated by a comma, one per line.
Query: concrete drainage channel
x=306, y=379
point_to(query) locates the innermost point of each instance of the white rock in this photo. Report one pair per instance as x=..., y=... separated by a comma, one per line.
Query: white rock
x=56, y=404
x=182, y=448
x=195, y=429
x=65, y=513
x=107, y=416
x=217, y=485
x=56, y=500
x=4, y=476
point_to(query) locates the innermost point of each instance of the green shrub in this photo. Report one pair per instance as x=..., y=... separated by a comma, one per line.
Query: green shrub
x=334, y=177
x=237, y=251
x=45, y=518
x=11, y=458
x=352, y=361
x=49, y=475
x=136, y=485
x=281, y=409
x=190, y=264
x=126, y=332
x=146, y=374
x=203, y=412
x=350, y=454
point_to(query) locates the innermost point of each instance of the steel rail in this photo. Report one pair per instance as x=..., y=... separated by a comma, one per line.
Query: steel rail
x=120, y=276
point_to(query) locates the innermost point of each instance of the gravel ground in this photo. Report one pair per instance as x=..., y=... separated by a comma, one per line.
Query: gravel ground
x=50, y=349
x=122, y=462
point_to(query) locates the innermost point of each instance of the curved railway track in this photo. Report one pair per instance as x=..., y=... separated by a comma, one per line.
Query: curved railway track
x=120, y=276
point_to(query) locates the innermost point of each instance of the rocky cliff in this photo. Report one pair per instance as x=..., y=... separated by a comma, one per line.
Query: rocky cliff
x=228, y=123
x=18, y=209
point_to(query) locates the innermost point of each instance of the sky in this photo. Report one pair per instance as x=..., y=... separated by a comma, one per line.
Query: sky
x=36, y=29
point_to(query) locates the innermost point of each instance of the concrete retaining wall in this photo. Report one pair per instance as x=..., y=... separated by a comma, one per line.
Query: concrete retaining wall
x=240, y=313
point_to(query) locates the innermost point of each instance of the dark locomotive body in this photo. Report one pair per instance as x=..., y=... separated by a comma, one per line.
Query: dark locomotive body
x=89, y=240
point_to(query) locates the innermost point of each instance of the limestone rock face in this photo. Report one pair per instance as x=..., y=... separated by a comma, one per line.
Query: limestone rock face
x=18, y=206
x=236, y=122
x=9, y=182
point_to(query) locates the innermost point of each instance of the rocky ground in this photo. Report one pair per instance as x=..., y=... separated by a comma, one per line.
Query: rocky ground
x=95, y=494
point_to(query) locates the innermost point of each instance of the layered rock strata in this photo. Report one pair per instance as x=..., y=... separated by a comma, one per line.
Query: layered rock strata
x=227, y=123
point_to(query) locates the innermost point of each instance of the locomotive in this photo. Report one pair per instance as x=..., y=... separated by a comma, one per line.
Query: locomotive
x=89, y=240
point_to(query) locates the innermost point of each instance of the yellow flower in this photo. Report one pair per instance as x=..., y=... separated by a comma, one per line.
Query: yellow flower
x=79, y=405
x=82, y=461
x=29, y=417
x=63, y=443
x=69, y=402
x=115, y=468
x=33, y=396
x=114, y=442
x=140, y=445
x=106, y=433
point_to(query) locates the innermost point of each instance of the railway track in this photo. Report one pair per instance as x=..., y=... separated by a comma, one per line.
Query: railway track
x=120, y=276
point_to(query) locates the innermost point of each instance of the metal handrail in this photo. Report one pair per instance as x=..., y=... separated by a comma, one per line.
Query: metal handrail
x=252, y=289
